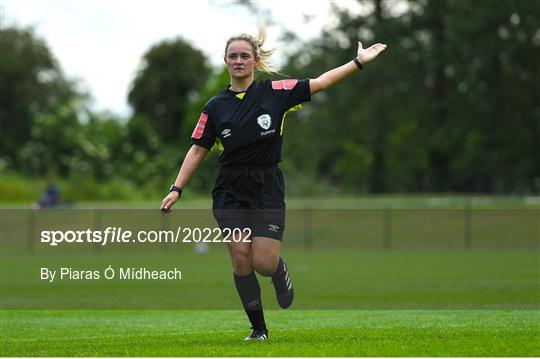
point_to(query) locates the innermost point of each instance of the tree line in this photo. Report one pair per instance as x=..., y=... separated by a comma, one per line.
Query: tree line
x=453, y=105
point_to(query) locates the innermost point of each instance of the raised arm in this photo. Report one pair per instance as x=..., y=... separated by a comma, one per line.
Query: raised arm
x=192, y=160
x=334, y=76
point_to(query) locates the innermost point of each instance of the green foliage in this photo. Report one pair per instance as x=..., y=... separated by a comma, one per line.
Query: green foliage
x=49, y=132
x=450, y=106
x=31, y=85
x=15, y=188
x=171, y=73
x=56, y=142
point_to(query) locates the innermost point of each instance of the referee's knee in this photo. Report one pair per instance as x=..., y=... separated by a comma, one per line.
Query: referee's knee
x=241, y=262
x=264, y=266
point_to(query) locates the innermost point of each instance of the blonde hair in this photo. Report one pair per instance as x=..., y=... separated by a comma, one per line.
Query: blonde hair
x=264, y=64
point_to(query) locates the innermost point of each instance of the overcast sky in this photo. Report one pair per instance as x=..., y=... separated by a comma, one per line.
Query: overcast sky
x=101, y=42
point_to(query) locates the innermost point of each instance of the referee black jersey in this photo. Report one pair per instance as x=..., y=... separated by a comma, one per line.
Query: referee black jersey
x=248, y=126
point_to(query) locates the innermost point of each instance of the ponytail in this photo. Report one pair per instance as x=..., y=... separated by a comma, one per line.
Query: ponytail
x=264, y=64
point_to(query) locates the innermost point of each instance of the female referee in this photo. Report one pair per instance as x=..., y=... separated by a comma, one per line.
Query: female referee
x=246, y=120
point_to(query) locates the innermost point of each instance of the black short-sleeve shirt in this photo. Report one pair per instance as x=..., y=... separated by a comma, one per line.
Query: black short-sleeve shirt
x=248, y=125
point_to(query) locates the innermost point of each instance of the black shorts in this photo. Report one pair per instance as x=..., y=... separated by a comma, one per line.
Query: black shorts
x=251, y=198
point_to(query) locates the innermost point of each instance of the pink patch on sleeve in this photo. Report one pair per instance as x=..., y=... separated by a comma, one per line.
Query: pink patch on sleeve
x=289, y=84
x=284, y=84
x=201, y=124
x=277, y=85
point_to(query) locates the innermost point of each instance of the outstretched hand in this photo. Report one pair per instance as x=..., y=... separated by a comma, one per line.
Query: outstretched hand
x=366, y=55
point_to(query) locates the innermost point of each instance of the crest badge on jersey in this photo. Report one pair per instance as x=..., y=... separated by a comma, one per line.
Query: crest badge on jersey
x=265, y=121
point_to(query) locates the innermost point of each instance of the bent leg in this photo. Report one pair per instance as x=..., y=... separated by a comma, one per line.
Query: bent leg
x=265, y=255
x=267, y=262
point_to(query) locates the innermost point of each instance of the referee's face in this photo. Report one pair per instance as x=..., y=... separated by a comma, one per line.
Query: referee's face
x=240, y=59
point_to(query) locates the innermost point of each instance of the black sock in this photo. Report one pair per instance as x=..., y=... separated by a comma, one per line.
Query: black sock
x=250, y=295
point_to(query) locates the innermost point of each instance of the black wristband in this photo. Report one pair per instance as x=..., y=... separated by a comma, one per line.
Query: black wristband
x=176, y=189
x=358, y=63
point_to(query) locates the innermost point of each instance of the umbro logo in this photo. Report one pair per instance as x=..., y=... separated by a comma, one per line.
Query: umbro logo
x=273, y=227
x=226, y=132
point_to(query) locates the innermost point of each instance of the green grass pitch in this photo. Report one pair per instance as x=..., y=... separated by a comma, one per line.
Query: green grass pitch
x=292, y=333
x=421, y=303
x=426, y=296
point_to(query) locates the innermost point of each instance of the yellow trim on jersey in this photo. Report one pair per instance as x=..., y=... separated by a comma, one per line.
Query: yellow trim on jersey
x=240, y=95
x=292, y=109
x=218, y=146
